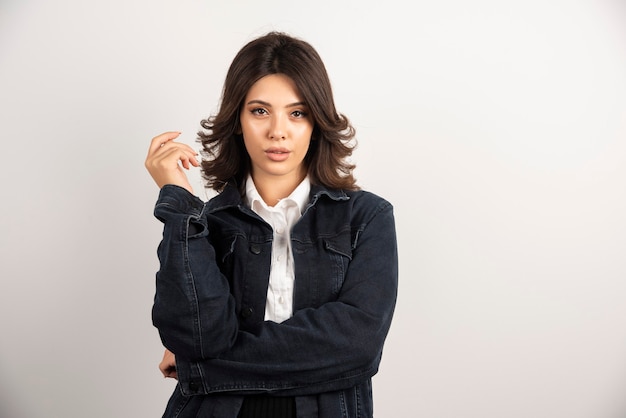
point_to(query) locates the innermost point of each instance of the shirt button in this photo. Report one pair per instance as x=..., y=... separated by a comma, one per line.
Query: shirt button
x=281, y=300
x=280, y=230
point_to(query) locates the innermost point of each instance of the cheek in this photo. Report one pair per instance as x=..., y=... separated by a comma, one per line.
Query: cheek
x=251, y=149
x=248, y=124
x=248, y=143
x=304, y=148
x=305, y=132
x=251, y=134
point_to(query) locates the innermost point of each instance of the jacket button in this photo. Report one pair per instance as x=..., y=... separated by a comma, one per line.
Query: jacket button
x=247, y=312
x=193, y=387
x=255, y=249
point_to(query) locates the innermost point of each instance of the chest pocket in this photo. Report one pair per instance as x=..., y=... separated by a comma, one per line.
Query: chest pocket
x=321, y=266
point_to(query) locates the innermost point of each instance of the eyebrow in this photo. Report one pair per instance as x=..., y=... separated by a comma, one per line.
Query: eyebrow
x=264, y=103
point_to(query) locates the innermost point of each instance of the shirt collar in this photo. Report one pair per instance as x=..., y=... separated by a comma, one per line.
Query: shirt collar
x=300, y=195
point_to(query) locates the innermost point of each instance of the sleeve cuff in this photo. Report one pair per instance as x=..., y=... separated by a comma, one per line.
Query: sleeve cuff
x=177, y=199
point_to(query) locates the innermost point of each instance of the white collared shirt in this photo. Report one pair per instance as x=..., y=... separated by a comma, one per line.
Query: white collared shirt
x=282, y=217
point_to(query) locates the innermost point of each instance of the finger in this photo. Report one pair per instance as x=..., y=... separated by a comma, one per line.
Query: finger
x=193, y=159
x=169, y=372
x=166, y=164
x=186, y=155
x=170, y=146
x=187, y=160
x=160, y=140
x=167, y=368
x=168, y=156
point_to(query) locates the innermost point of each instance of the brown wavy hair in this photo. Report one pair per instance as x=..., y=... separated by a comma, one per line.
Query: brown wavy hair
x=332, y=140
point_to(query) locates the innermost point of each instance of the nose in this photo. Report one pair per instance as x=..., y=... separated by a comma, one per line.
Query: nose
x=278, y=127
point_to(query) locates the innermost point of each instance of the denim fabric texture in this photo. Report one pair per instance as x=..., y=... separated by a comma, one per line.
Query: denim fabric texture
x=210, y=302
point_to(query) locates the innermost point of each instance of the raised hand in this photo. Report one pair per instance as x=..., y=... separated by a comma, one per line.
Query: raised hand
x=167, y=158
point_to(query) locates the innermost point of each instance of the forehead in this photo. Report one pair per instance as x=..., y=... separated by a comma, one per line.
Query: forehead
x=274, y=86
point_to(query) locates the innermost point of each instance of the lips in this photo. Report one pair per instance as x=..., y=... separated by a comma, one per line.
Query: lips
x=277, y=154
x=276, y=150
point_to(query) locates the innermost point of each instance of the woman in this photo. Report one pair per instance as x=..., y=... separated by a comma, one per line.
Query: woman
x=274, y=298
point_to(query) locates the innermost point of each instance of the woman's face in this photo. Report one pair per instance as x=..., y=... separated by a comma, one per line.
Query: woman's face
x=277, y=129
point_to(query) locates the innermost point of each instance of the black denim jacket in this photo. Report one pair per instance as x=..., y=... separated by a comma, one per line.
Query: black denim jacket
x=210, y=297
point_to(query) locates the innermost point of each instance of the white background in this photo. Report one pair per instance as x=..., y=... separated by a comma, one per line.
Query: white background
x=496, y=128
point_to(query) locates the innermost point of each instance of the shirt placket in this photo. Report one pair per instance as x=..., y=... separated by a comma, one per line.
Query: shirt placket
x=279, y=266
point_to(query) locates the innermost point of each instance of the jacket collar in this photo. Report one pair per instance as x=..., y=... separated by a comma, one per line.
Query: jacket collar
x=230, y=197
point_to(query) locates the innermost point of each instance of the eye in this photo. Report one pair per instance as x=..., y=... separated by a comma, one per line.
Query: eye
x=299, y=114
x=258, y=111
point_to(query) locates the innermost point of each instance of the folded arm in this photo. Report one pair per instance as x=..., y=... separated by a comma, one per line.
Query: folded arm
x=330, y=347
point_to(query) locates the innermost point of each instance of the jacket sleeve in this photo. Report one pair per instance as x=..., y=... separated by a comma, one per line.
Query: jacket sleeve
x=193, y=308
x=332, y=347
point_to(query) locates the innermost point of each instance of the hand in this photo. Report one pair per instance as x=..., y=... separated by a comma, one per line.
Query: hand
x=163, y=160
x=168, y=365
